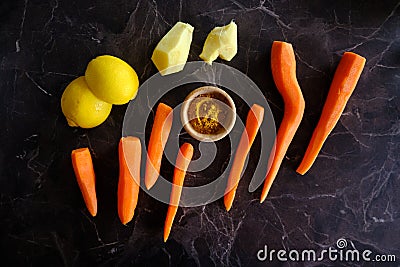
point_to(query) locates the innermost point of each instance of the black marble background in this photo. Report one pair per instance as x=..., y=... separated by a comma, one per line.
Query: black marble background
x=351, y=192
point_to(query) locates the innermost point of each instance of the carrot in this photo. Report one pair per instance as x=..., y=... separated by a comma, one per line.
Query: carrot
x=344, y=82
x=84, y=172
x=129, y=151
x=182, y=162
x=253, y=122
x=158, y=138
x=283, y=65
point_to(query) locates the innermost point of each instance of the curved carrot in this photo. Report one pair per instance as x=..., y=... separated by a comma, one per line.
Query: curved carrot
x=253, y=122
x=84, y=172
x=344, y=82
x=129, y=152
x=182, y=162
x=158, y=138
x=283, y=65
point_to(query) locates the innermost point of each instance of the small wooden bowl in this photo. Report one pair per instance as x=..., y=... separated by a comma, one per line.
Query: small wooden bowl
x=228, y=123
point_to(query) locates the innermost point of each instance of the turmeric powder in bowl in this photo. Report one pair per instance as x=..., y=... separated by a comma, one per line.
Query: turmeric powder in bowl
x=208, y=113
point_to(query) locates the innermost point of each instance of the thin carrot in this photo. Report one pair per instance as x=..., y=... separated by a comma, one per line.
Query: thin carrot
x=129, y=152
x=84, y=172
x=158, y=138
x=344, y=82
x=182, y=162
x=283, y=65
x=253, y=122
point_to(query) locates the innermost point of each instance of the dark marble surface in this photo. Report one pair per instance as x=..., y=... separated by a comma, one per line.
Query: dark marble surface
x=351, y=192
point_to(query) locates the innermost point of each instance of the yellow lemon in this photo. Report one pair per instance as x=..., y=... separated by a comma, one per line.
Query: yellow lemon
x=112, y=79
x=81, y=107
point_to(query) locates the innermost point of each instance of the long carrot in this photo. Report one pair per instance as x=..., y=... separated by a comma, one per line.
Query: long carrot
x=253, y=122
x=283, y=65
x=344, y=82
x=158, y=138
x=84, y=172
x=129, y=152
x=182, y=162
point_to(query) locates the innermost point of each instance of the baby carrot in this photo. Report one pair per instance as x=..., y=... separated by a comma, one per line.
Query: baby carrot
x=158, y=138
x=129, y=152
x=344, y=82
x=283, y=65
x=84, y=172
x=253, y=122
x=183, y=159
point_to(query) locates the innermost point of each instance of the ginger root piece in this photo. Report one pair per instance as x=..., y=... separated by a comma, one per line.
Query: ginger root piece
x=222, y=42
x=171, y=53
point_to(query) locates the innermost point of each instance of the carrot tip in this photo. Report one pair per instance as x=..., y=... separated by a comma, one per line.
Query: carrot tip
x=166, y=235
x=124, y=222
x=263, y=197
x=228, y=208
x=228, y=199
x=149, y=184
x=302, y=172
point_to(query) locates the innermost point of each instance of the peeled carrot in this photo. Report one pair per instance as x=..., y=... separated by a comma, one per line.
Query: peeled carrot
x=344, y=82
x=253, y=122
x=130, y=152
x=283, y=65
x=182, y=162
x=158, y=138
x=84, y=172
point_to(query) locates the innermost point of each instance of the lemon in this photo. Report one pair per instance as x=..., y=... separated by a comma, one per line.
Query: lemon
x=81, y=107
x=112, y=79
